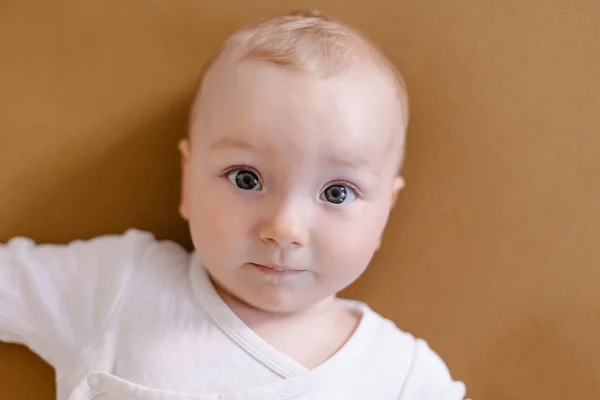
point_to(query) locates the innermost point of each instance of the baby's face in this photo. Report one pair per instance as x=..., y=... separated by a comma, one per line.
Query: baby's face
x=289, y=180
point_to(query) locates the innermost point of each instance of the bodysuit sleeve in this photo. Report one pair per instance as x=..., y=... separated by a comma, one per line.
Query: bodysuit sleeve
x=57, y=299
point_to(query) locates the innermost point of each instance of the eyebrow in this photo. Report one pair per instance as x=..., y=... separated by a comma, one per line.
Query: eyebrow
x=348, y=162
x=236, y=143
x=231, y=143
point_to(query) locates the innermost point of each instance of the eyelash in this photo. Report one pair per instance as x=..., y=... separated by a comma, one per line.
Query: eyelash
x=350, y=186
x=241, y=168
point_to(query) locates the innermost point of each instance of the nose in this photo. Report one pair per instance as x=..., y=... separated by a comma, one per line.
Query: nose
x=286, y=227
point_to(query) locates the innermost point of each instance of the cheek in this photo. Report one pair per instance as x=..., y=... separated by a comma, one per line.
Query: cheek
x=347, y=244
x=219, y=226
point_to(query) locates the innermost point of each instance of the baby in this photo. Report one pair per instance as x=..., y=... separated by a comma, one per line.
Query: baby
x=290, y=170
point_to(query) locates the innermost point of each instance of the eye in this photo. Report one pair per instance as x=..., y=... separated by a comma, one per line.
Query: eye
x=338, y=194
x=244, y=179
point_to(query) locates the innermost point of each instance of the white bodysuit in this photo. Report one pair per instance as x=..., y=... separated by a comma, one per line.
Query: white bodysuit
x=128, y=317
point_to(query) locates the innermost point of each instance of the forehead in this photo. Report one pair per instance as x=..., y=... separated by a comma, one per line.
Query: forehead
x=356, y=110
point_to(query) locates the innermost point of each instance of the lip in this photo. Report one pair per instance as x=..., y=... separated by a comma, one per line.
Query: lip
x=276, y=270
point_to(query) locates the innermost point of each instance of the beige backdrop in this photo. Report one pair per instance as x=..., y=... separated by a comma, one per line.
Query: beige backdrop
x=493, y=251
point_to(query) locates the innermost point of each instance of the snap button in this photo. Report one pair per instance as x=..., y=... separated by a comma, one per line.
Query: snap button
x=95, y=381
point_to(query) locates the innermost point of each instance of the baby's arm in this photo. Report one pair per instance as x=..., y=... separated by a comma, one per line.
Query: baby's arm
x=56, y=299
x=430, y=379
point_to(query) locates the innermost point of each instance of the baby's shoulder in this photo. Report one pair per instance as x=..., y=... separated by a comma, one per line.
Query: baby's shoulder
x=390, y=346
x=134, y=248
x=159, y=265
x=409, y=362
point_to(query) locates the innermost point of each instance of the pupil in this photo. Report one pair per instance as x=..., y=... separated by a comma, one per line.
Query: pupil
x=246, y=180
x=336, y=194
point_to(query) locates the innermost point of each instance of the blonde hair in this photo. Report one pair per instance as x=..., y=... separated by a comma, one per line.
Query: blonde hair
x=310, y=42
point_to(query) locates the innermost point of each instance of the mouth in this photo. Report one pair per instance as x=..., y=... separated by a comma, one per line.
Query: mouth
x=276, y=270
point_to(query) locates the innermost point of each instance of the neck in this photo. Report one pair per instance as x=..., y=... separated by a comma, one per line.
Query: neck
x=309, y=336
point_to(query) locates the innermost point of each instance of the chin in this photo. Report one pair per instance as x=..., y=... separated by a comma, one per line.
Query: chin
x=280, y=303
x=275, y=304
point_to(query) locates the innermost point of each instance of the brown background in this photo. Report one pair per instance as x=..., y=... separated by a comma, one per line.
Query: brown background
x=493, y=251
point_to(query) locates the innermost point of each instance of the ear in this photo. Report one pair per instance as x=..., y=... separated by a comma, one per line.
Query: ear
x=398, y=185
x=184, y=150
